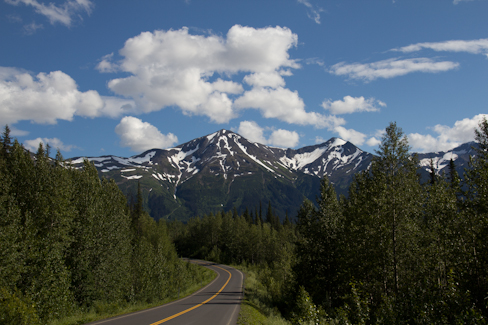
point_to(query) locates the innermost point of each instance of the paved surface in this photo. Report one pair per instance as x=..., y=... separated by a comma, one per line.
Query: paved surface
x=218, y=304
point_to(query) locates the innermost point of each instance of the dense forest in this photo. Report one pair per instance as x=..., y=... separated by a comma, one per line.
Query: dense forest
x=70, y=242
x=394, y=251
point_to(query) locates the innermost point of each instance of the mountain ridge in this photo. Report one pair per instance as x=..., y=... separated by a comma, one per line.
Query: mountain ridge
x=224, y=170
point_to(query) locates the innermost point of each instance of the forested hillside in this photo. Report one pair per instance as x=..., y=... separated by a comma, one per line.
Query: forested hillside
x=395, y=251
x=70, y=243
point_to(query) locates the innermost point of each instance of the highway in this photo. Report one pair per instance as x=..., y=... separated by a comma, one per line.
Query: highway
x=218, y=304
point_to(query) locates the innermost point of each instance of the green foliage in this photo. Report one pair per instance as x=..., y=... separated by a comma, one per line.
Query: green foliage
x=257, y=307
x=15, y=309
x=306, y=312
x=70, y=242
x=355, y=309
x=318, y=246
x=414, y=253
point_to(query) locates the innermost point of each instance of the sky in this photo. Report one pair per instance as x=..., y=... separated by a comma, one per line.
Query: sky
x=119, y=77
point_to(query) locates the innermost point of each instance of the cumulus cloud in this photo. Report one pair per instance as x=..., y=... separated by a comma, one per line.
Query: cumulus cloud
x=285, y=105
x=372, y=142
x=280, y=138
x=447, y=137
x=376, y=139
x=352, y=104
x=350, y=135
x=105, y=65
x=33, y=145
x=390, y=68
x=175, y=68
x=140, y=136
x=284, y=138
x=252, y=131
x=62, y=14
x=313, y=12
x=479, y=46
x=265, y=79
x=49, y=97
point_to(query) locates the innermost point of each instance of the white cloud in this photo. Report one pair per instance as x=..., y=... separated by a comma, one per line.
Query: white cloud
x=313, y=12
x=352, y=104
x=316, y=61
x=285, y=105
x=372, y=142
x=174, y=68
x=390, y=68
x=252, y=131
x=459, y=1
x=376, y=139
x=280, y=138
x=351, y=135
x=479, y=46
x=265, y=79
x=31, y=28
x=105, y=65
x=55, y=143
x=447, y=137
x=319, y=139
x=48, y=97
x=140, y=136
x=284, y=138
x=58, y=14
x=17, y=133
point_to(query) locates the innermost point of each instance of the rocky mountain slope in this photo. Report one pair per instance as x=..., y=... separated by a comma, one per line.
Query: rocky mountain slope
x=223, y=170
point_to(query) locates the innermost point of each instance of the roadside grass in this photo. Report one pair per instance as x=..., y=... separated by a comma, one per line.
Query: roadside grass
x=107, y=310
x=254, y=309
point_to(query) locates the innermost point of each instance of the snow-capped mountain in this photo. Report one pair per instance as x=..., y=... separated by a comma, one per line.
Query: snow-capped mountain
x=460, y=155
x=224, y=170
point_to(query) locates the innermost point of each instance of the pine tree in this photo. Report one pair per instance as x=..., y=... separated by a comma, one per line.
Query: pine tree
x=476, y=219
x=453, y=175
x=433, y=176
x=318, y=249
x=6, y=143
x=383, y=224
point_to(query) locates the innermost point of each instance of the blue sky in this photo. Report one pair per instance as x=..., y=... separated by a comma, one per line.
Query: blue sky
x=119, y=77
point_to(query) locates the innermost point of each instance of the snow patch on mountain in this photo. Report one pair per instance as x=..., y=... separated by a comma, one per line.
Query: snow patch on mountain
x=301, y=160
x=132, y=177
x=338, y=142
x=244, y=150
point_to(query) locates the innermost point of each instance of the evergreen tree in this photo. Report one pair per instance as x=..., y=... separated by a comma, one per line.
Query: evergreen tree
x=6, y=143
x=383, y=224
x=476, y=219
x=453, y=175
x=433, y=176
x=318, y=249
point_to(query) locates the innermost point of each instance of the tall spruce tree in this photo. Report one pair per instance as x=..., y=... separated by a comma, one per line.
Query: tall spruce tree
x=318, y=249
x=382, y=224
x=476, y=219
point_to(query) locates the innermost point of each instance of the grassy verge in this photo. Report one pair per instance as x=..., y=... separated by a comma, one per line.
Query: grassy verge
x=104, y=310
x=255, y=308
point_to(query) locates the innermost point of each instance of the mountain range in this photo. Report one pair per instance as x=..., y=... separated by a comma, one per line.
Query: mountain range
x=223, y=171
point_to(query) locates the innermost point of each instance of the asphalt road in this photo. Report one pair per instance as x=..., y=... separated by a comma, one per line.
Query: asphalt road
x=218, y=304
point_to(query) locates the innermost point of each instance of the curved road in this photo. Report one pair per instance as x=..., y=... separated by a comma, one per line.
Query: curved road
x=217, y=303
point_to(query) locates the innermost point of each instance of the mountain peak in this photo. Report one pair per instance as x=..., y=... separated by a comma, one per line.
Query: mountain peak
x=223, y=170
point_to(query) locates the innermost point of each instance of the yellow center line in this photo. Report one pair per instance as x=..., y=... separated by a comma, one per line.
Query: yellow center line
x=196, y=306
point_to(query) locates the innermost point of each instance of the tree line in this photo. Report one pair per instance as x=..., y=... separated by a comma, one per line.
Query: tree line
x=70, y=242
x=394, y=251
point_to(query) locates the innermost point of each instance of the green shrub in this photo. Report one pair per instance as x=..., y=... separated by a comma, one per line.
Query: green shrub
x=16, y=309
